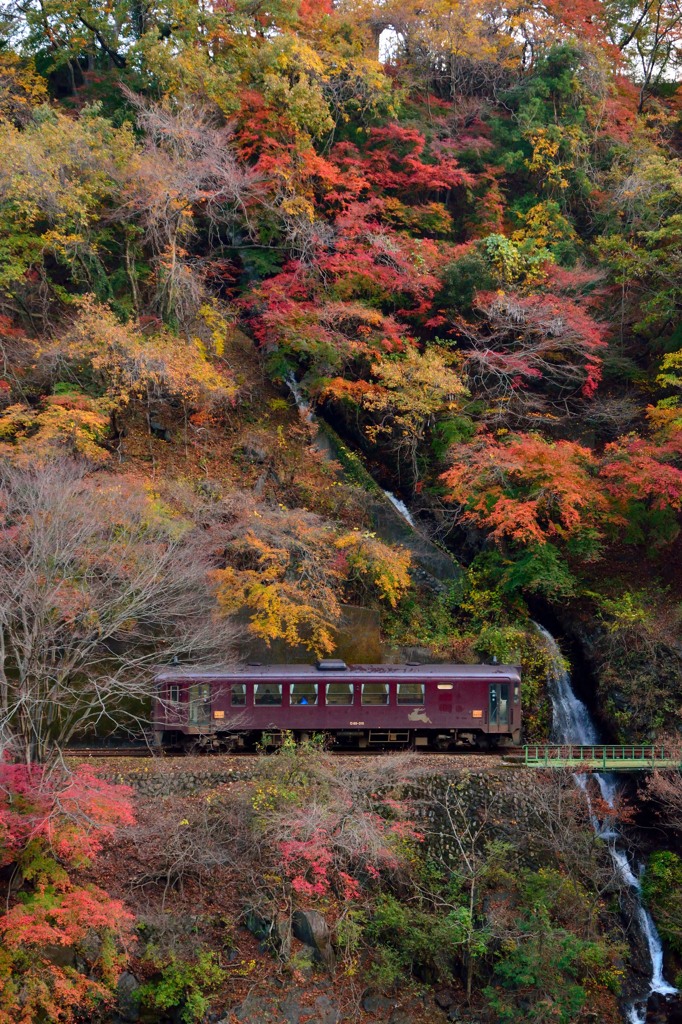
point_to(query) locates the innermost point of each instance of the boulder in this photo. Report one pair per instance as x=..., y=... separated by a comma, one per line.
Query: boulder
x=60, y=956
x=127, y=1004
x=311, y=928
x=675, y=1010
x=254, y=1009
x=252, y=450
x=445, y=998
x=91, y=946
x=403, y=1017
x=325, y=1011
x=274, y=932
x=157, y=429
x=375, y=1002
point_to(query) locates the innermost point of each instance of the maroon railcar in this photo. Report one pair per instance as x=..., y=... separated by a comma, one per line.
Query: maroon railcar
x=437, y=706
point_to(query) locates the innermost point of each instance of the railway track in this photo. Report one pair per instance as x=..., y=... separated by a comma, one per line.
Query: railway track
x=510, y=753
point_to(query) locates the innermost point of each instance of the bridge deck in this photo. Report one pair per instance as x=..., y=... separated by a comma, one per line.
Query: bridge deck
x=605, y=757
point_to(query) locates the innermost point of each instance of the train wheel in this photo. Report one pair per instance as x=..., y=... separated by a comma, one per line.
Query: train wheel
x=195, y=747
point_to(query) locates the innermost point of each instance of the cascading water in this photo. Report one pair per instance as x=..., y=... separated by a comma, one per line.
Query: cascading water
x=572, y=723
x=401, y=508
x=303, y=407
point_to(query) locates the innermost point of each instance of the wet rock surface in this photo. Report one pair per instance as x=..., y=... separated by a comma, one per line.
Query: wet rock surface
x=295, y=1007
x=662, y=1009
x=310, y=927
x=128, y=1007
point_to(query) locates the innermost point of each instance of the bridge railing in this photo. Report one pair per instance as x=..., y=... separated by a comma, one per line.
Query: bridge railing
x=605, y=755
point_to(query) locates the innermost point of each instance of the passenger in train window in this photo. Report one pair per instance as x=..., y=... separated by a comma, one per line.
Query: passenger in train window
x=267, y=694
x=303, y=693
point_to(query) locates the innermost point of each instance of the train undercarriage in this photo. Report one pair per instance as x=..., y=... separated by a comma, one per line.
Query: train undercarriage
x=343, y=739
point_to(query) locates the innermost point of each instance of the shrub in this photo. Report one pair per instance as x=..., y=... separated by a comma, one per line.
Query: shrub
x=411, y=939
x=184, y=986
x=662, y=889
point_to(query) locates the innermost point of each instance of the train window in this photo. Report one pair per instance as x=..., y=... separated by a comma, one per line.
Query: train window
x=303, y=693
x=410, y=693
x=375, y=693
x=494, y=697
x=238, y=695
x=499, y=705
x=504, y=704
x=199, y=704
x=516, y=693
x=267, y=693
x=174, y=694
x=339, y=694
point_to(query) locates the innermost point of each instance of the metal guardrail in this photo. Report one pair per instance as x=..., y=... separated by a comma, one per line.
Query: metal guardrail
x=607, y=757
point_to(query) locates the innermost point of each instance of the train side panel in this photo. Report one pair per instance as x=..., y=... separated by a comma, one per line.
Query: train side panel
x=420, y=707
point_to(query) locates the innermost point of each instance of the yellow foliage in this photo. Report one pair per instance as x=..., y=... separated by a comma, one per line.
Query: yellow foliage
x=63, y=425
x=414, y=389
x=556, y=151
x=217, y=323
x=137, y=367
x=376, y=565
x=291, y=570
x=21, y=88
x=545, y=225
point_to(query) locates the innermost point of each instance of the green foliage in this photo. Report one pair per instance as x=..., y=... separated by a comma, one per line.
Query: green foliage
x=427, y=620
x=547, y=968
x=448, y=431
x=540, y=569
x=543, y=972
x=662, y=889
x=463, y=278
x=409, y=939
x=513, y=262
x=184, y=986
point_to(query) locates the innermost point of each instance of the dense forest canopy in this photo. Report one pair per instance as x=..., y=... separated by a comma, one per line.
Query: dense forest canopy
x=455, y=226
x=450, y=230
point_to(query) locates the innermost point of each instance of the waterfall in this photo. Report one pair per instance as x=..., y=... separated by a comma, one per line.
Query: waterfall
x=303, y=407
x=572, y=723
x=401, y=508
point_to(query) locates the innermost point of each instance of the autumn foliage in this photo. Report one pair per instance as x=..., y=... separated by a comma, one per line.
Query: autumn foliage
x=525, y=489
x=51, y=825
x=291, y=570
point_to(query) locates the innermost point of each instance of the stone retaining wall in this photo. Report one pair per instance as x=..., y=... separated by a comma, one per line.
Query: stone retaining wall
x=156, y=782
x=507, y=795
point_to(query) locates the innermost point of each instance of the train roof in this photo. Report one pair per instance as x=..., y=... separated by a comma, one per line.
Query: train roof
x=336, y=670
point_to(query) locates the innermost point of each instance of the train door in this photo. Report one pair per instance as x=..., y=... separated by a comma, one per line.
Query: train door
x=200, y=704
x=498, y=708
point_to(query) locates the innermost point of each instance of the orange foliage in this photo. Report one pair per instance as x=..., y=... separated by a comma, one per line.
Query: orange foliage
x=525, y=489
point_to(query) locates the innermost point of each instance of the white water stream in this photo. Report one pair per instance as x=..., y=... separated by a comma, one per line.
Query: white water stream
x=401, y=508
x=302, y=405
x=572, y=723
